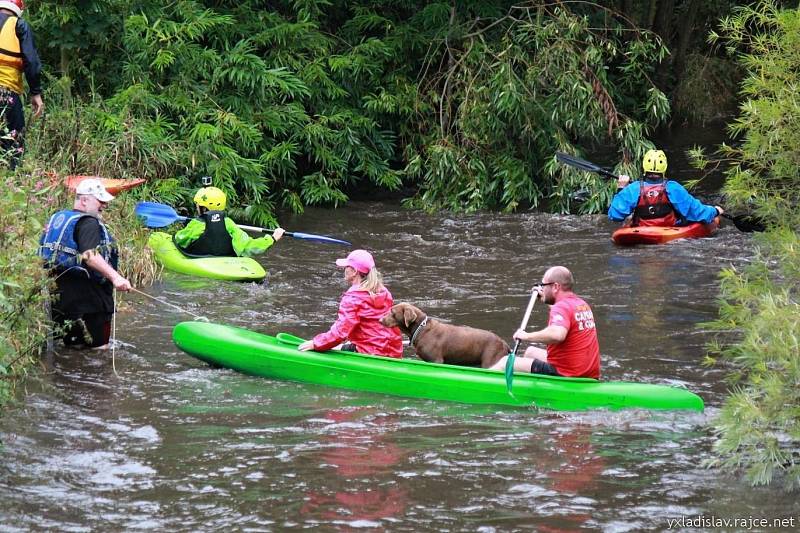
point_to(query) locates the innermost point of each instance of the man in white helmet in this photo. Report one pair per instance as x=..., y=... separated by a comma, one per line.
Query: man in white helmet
x=17, y=56
x=81, y=254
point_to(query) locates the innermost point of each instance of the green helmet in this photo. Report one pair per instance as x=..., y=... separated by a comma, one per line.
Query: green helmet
x=655, y=161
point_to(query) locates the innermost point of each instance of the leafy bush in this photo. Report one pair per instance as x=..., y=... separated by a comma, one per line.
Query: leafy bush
x=759, y=426
x=24, y=201
x=509, y=92
x=300, y=103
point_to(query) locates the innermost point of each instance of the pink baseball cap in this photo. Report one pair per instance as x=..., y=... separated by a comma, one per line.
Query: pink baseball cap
x=361, y=260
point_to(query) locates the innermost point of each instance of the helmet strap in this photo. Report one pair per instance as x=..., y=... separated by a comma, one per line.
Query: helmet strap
x=654, y=176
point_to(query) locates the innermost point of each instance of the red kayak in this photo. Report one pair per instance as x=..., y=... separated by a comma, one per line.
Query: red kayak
x=112, y=185
x=629, y=236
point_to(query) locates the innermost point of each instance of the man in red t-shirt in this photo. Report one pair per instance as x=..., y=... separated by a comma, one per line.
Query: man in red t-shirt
x=570, y=335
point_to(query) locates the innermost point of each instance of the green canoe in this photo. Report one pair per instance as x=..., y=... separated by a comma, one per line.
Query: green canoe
x=226, y=268
x=277, y=357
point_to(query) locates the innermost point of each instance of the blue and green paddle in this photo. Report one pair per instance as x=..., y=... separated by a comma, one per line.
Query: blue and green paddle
x=156, y=215
x=513, y=354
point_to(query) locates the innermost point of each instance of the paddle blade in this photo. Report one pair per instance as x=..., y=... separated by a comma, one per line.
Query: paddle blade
x=582, y=164
x=522, y=326
x=510, y=366
x=510, y=370
x=156, y=215
x=317, y=238
x=746, y=224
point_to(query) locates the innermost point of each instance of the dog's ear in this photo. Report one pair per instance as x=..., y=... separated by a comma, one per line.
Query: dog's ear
x=409, y=315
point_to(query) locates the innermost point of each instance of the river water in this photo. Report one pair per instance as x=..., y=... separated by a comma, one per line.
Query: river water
x=171, y=444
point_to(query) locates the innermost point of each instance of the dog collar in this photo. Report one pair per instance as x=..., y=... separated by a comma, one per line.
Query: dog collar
x=419, y=328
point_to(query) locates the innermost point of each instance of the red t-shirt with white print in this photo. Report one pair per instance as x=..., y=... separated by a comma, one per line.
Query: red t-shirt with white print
x=579, y=354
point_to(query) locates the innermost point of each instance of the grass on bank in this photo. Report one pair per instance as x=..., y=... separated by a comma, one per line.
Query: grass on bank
x=24, y=200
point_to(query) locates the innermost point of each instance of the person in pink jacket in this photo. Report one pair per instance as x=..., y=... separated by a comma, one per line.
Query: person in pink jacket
x=360, y=311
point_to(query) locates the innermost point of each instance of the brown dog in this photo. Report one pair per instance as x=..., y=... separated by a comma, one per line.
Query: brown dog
x=437, y=342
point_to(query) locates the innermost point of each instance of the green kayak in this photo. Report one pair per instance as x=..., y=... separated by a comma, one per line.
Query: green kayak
x=277, y=357
x=226, y=268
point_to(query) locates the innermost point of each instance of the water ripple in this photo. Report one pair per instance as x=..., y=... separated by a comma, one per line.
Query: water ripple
x=173, y=444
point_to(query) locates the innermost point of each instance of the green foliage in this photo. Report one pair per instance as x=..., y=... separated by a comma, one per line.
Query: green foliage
x=78, y=36
x=510, y=92
x=759, y=427
x=300, y=103
x=24, y=202
x=767, y=174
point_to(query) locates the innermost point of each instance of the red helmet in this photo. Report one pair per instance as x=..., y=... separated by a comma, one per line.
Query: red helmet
x=17, y=6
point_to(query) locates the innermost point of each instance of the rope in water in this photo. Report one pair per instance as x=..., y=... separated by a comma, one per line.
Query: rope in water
x=114, y=336
x=196, y=317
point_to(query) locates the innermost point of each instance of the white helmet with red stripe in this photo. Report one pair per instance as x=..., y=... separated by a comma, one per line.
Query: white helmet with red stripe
x=17, y=6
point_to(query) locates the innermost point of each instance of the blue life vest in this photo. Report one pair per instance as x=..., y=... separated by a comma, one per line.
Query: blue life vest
x=59, y=250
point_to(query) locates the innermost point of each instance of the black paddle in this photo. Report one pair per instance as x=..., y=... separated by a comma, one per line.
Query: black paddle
x=744, y=223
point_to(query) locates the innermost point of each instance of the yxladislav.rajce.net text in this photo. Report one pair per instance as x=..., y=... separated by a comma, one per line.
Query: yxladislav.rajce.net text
x=751, y=522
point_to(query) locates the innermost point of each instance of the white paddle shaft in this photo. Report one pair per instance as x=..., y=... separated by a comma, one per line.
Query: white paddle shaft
x=534, y=297
x=255, y=229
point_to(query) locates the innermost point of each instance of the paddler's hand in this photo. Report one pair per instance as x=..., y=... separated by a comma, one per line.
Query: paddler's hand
x=277, y=233
x=719, y=210
x=306, y=346
x=122, y=284
x=623, y=181
x=520, y=334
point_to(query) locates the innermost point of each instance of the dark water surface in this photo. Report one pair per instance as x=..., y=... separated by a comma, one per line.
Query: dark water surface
x=173, y=445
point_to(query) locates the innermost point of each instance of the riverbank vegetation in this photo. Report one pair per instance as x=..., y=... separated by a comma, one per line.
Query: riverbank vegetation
x=305, y=102
x=25, y=200
x=759, y=426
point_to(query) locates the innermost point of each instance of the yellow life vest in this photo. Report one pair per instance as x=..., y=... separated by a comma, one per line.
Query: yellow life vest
x=10, y=56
